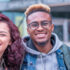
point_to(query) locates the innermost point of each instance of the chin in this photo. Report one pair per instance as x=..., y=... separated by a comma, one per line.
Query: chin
x=42, y=43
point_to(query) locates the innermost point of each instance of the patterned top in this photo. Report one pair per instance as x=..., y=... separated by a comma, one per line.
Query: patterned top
x=2, y=65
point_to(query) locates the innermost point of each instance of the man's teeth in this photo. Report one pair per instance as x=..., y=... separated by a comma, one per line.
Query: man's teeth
x=40, y=35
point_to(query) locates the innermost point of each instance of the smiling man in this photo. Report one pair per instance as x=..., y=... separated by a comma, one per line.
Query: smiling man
x=44, y=49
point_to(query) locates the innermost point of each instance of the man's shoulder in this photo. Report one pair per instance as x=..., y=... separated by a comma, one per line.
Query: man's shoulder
x=66, y=54
x=65, y=49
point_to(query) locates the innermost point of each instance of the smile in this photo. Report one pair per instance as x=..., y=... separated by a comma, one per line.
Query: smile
x=41, y=35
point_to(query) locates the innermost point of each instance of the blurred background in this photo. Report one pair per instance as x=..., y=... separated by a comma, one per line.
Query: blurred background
x=60, y=10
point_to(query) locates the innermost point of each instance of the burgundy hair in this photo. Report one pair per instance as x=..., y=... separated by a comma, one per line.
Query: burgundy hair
x=14, y=53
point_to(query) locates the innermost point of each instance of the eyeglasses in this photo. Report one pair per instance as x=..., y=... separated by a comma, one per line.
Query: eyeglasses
x=35, y=25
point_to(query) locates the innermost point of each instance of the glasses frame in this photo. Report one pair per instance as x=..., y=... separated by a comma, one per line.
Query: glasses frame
x=39, y=24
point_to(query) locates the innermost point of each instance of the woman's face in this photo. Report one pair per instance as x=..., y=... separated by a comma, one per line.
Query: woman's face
x=5, y=38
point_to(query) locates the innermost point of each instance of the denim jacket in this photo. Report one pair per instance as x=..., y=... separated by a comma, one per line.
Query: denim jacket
x=63, y=58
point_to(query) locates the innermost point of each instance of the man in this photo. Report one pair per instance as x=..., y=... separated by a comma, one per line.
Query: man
x=44, y=50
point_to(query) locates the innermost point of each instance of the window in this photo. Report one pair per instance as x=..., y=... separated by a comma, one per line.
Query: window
x=58, y=29
x=69, y=31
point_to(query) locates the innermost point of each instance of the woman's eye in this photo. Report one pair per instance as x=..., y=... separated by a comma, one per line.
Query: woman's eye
x=2, y=35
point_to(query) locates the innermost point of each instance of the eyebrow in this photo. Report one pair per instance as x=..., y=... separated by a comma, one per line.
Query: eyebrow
x=41, y=21
x=46, y=21
x=34, y=22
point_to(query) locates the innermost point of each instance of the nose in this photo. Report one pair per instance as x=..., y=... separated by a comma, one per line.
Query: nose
x=40, y=27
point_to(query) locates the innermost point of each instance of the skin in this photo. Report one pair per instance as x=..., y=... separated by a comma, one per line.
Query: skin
x=5, y=38
x=41, y=34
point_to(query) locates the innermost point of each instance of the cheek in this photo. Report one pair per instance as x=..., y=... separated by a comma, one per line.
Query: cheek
x=30, y=32
x=6, y=41
x=4, y=44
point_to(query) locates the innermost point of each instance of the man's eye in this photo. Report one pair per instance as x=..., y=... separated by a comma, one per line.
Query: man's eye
x=34, y=25
x=45, y=23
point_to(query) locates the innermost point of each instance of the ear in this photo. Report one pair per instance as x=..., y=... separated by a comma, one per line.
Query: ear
x=52, y=27
x=28, y=30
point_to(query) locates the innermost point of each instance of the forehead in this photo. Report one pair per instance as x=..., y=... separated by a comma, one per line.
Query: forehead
x=39, y=16
x=4, y=27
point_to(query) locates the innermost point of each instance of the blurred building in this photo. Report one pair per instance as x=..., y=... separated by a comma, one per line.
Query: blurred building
x=60, y=10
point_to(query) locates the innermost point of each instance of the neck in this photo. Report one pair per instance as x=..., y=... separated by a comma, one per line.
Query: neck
x=45, y=49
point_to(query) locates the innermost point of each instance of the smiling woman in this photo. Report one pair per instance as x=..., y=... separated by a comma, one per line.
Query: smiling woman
x=11, y=50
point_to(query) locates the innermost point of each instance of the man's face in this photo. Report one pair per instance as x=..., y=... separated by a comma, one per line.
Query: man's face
x=39, y=26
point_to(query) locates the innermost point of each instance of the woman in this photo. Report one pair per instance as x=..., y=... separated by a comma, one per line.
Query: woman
x=11, y=49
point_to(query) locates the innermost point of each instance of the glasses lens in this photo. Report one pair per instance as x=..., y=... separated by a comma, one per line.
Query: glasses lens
x=45, y=24
x=34, y=25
